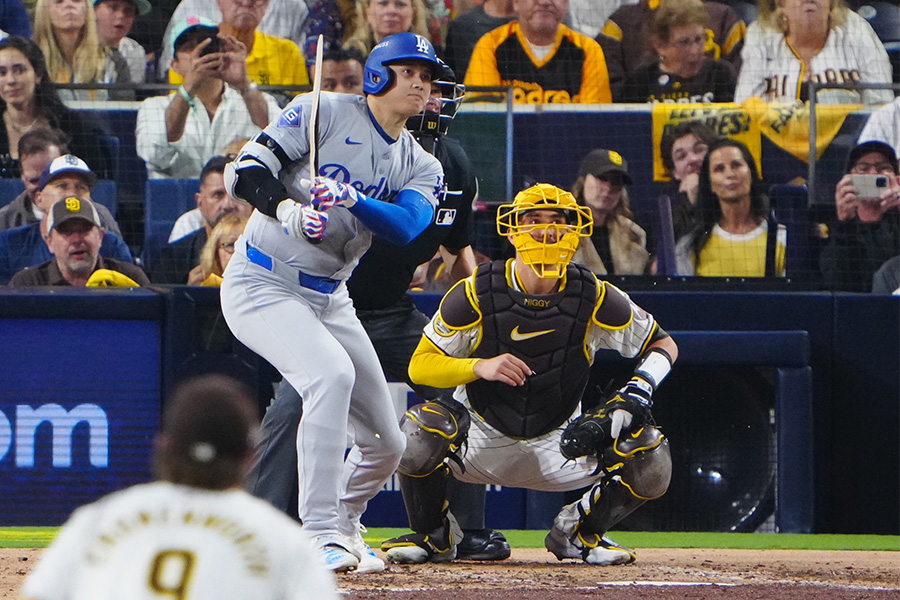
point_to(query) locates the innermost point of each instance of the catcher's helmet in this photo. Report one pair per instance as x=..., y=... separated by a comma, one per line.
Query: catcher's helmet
x=378, y=78
x=546, y=248
x=452, y=93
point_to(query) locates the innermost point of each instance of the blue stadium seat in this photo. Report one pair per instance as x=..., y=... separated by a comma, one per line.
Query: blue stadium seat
x=790, y=204
x=164, y=201
x=884, y=17
x=111, y=146
x=103, y=193
x=665, y=238
x=9, y=189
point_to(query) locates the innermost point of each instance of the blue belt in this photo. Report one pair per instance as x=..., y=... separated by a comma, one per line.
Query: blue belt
x=324, y=285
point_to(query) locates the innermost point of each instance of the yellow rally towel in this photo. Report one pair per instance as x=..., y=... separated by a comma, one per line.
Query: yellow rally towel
x=110, y=278
x=726, y=119
x=787, y=123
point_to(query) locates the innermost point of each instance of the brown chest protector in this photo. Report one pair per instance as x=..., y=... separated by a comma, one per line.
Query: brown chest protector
x=548, y=333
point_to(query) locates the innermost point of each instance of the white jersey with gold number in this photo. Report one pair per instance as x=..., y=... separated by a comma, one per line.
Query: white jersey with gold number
x=161, y=540
x=852, y=54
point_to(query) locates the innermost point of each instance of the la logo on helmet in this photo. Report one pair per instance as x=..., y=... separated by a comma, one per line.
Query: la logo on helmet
x=422, y=45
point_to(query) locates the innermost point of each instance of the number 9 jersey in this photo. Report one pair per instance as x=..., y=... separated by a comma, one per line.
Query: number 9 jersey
x=162, y=540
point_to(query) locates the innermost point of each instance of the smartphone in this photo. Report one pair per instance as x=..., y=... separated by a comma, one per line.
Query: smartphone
x=869, y=187
x=212, y=46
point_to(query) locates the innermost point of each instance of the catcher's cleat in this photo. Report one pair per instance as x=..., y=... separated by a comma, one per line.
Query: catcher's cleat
x=600, y=550
x=591, y=548
x=483, y=544
x=559, y=544
x=418, y=548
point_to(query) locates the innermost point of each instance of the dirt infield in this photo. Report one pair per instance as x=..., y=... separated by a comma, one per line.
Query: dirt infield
x=537, y=575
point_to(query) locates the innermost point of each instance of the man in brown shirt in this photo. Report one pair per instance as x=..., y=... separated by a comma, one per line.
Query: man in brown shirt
x=74, y=236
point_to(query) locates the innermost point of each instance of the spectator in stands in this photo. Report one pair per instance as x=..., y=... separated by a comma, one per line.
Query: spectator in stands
x=733, y=237
x=883, y=125
x=66, y=32
x=618, y=245
x=797, y=41
x=37, y=149
x=29, y=101
x=331, y=19
x=271, y=60
x=114, y=21
x=466, y=29
x=887, y=278
x=342, y=71
x=374, y=20
x=74, y=237
x=627, y=45
x=176, y=260
x=179, y=133
x=282, y=19
x=557, y=66
x=14, y=19
x=25, y=246
x=683, y=148
x=681, y=72
x=867, y=230
x=217, y=251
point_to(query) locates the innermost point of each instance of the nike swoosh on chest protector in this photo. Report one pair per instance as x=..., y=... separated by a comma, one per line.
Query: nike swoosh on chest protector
x=520, y=337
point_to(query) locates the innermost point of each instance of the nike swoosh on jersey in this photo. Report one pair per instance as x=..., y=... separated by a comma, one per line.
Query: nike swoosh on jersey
x=351, y=142
x=521, y=337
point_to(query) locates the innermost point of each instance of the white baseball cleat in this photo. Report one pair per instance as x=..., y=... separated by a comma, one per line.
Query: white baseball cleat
x=338, y=552
x=607, y=553
x=368, y=561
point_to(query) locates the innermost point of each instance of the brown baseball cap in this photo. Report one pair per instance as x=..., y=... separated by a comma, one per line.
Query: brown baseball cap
x=600, y=162
x=72, y=208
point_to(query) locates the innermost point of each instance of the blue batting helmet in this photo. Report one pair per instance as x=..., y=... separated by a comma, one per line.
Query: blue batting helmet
x=399, y=47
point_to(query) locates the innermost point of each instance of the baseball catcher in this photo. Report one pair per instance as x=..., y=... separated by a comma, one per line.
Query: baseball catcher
x=517, y=340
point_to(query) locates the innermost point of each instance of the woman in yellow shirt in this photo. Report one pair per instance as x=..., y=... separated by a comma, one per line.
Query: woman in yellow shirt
x=735, y=236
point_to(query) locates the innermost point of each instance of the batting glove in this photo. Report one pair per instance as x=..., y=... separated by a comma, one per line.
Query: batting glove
x=630, y=407
x=301, y=220
x=327, y=193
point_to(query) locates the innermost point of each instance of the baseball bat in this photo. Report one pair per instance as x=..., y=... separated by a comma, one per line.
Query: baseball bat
x=314, y=116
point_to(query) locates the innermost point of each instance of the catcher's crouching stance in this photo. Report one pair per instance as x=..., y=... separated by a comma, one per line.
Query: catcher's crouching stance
x=518, y=339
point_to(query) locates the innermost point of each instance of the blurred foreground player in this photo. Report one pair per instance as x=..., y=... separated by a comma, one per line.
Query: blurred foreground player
x=518, y=338
x=193, y=534
x=378, y=288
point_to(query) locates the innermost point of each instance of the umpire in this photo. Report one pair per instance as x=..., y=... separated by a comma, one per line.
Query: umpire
x=378, y=287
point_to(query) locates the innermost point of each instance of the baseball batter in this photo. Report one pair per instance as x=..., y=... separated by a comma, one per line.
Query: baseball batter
x=193, y=534
x=284, y=293
x=518, y=338
x=378, y=288
x=772, y=70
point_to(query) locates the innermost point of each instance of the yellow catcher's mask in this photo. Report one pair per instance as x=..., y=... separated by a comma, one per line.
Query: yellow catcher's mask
x=545, y=243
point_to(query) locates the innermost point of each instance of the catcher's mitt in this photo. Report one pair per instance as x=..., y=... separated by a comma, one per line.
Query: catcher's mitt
x=587, y=435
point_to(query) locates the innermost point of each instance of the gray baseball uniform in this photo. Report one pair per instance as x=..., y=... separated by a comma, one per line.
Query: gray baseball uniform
x=286, y=299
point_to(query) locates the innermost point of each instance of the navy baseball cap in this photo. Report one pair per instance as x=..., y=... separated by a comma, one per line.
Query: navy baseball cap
x=142, y=6
x=72, y=208
x=64, y=165
x=873, y=146
x=600, y=162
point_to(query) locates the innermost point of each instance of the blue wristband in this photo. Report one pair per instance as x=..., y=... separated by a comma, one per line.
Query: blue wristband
x=184, y=94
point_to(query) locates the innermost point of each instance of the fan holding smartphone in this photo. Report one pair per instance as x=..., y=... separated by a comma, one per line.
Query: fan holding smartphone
x=871, y=186
x=867, y=229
